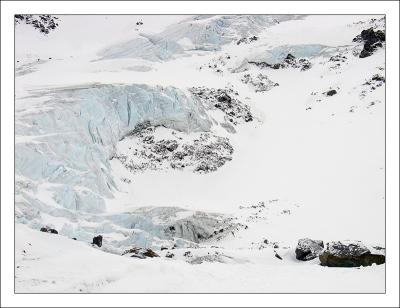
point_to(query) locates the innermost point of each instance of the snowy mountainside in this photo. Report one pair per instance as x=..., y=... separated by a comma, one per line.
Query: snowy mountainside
x=205, y=33
x=213, y=142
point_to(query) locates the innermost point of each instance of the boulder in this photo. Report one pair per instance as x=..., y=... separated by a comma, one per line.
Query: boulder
x=331, y=92
x=141, y=253
x=308, y=249
x=290, y=57
x=98, y=240
x=49, y=230
x=150, y=253
x=349, y=254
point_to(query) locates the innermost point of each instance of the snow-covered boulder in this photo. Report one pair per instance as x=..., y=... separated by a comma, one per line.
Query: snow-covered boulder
x=350, y=254
x=308, y=249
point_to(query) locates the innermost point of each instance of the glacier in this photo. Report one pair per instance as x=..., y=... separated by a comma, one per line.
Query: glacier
x=75, y=138
x=204, y=33
x=170, y=98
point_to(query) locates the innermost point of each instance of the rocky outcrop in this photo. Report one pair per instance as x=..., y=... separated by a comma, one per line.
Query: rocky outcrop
x=225, y=100
x=308, y=249
x=245, y=40
x=375, y=81
x=349, y=254
x=203, y=154
x=43, y=23
x=290, y=61
x=48, y=230
x=371, y=39
x=140, y=253
x=330, y=92
x=98, y=240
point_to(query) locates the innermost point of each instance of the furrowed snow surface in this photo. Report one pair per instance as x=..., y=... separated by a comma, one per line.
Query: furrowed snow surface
x=130, y=134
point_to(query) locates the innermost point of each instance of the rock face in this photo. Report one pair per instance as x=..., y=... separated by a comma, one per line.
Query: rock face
x=98, y=240
x=49, y=230
x=308, y=249
x=349, y=254
x=371, y=39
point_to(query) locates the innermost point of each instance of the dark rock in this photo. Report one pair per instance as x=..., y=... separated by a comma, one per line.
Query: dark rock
x=331, y=92
x=150, y=253
x=49, y=230
x=141, y=253
x=187, y=254
x=224, y=98
x=372, y=40
x=169, y=255
x=308, y=249
x=369, y=35
x=98, y=240
x=364, y=53
x=43, y=23
x=164, y=248
x=290, y=57
x=278, y=256
x=380, y=35
x=172, y=145
x=353, y=254
x=377, y=77
x=74, y=238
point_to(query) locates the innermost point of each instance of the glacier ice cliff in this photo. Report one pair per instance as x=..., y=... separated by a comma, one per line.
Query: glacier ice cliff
x=68, y=145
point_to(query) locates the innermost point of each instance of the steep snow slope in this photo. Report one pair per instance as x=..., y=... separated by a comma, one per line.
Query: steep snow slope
x=316, y=160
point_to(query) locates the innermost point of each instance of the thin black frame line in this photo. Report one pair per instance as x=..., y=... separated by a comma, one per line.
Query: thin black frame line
x=221, y=293
x=189, y=14
x=244, y=1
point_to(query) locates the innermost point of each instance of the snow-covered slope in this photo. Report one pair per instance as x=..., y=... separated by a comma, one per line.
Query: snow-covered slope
x=172, y=133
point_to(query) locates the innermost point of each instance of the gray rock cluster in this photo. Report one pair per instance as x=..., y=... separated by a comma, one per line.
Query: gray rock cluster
x=225, y=100
x=375, y=81
x=340, y=253
x=204, y=154
x=140, y=253
x=43, y=23
x=290, y=61
x=260, y=83
x=245, y=40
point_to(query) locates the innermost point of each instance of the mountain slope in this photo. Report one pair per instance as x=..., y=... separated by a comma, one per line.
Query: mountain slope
x=172, y=141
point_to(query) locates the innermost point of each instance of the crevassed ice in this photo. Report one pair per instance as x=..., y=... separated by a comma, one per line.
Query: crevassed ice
x=68, y=145
x=204, y=32
x=279, y=53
